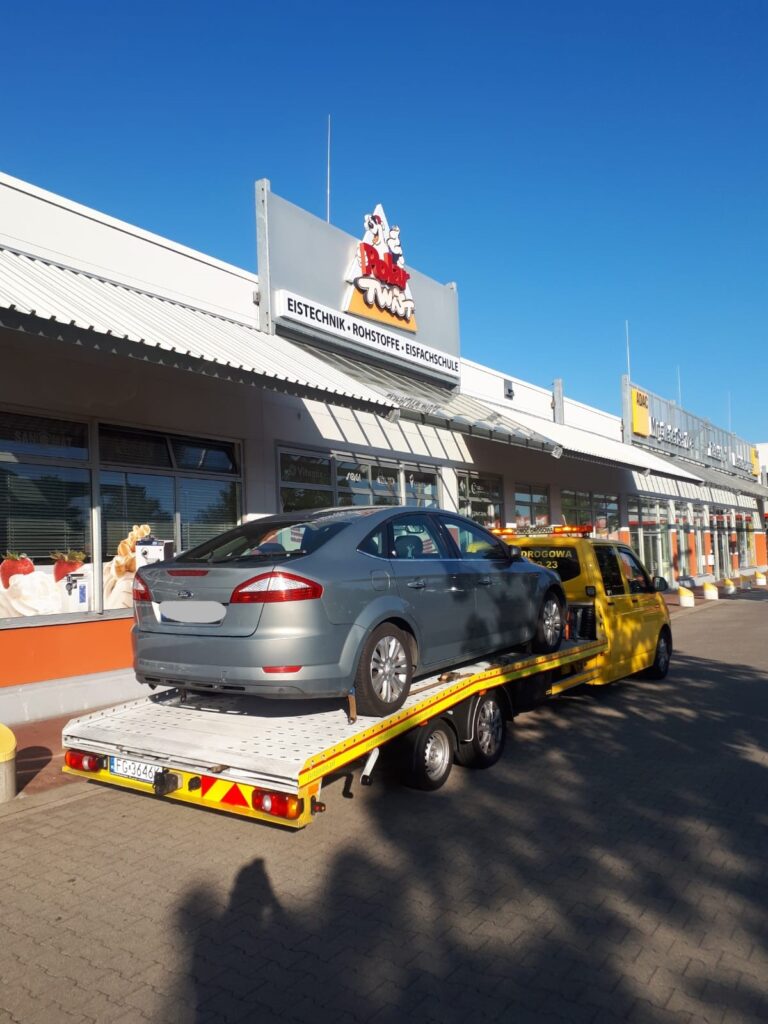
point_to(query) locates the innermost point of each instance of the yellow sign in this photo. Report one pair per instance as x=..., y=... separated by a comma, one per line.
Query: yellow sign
x=755, y=460
x=641, y=413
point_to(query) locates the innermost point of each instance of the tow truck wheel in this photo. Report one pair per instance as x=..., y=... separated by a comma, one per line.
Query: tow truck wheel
x=488, y=737
x=385, y=671
x=660, y=665
x=550, y=625
x=429, y=755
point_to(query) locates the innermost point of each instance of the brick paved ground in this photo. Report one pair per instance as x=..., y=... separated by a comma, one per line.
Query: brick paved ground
x=610, y=868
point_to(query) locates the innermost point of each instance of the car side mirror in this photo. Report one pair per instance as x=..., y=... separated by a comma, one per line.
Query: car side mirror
x=515, y=553
x=659, y=583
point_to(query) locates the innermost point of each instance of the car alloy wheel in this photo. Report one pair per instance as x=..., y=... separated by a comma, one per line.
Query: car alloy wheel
x=389, y=669
x=489, y=727
x=551, y=622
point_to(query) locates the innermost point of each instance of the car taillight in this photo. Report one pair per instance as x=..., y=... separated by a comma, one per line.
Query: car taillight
x=82, y=761
x=141, y=591
x=281, y=805
x=272, y=587
x=281, y=668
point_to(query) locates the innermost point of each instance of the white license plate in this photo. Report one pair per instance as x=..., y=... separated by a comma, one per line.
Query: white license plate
x=192, y=612
x=133, y=769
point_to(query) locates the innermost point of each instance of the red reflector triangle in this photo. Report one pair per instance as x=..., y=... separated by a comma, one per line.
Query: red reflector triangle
x=234, y=797
x=206, y=783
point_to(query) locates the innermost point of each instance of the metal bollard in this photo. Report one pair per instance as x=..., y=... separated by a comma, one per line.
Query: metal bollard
x=7, y=765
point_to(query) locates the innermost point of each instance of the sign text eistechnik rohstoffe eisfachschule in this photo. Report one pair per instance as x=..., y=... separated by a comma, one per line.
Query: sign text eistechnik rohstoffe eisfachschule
x=331, y=321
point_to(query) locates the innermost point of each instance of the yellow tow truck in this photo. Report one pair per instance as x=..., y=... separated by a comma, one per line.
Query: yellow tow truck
x=269, y=760
x=610, y=594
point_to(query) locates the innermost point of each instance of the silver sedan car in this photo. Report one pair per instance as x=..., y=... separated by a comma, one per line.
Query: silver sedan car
x=328, y=602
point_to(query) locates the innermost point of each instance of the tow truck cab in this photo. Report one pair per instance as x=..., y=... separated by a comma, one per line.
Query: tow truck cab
x=608, y=589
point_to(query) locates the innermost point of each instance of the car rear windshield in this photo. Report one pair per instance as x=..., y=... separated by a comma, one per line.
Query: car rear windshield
x=267, y=541
x=563, y=560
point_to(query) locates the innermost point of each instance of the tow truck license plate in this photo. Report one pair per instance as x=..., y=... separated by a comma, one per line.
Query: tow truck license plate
x=133, y=769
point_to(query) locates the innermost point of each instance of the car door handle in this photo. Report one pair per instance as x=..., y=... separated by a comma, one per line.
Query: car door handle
x=484, y=581
x=417, y=584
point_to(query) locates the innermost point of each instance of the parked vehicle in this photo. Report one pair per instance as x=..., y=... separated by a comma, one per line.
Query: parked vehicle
x=316, y=604
x=605, y=578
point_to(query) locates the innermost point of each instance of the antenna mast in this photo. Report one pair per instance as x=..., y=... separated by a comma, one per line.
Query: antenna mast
x=328, y=176
x=626, y=331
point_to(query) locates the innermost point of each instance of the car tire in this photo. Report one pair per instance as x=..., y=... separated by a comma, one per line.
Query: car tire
x=429, y=752
x=549, y=625
x=384, y=673
x=660, y=665
x=489, y=735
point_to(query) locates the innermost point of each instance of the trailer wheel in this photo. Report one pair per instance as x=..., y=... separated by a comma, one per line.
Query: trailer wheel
x=384, y=674
x=429, y=756
x=489, y=735
x=550, y=625
x=660, y=665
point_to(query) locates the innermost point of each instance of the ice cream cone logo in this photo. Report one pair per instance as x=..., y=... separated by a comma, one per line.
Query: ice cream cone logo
x=378, y=278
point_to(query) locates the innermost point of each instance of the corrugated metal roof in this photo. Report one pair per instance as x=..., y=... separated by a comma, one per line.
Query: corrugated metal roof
x=441, y=406
x=578, y=442
x=79, y=302
x=726, y=481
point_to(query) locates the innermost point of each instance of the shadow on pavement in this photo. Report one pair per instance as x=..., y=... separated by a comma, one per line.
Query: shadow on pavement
x=595, y=874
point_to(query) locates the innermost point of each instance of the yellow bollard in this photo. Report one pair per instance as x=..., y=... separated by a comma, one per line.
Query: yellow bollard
x=7, y=765
x=686, y=597
x=711, y=592
x=759, y=579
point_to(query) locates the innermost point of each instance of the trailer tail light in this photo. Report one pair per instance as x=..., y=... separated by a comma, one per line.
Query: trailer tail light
x=141, y=591
x=83, y=762
x=273, y=587
x=281, y=805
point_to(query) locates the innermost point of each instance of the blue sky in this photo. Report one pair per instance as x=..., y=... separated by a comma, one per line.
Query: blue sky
x=570, y=164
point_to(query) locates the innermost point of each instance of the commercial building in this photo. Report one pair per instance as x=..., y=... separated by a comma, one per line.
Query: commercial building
x=151, y=396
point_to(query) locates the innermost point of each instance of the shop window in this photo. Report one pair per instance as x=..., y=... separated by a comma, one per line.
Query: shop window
x=44, y=509
x=585, y=508
x=531, y=505
x=204, y=456
x=42, y=437
x=420, y=488
x=128, y=499
x=134, y=448
x=305, y=482
x=322, y=481
x=480, y=498
x=577, y=508
x=364, y=483
x=207, y=508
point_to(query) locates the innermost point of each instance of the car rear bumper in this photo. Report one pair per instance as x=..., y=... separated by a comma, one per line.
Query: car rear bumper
x=236, y=664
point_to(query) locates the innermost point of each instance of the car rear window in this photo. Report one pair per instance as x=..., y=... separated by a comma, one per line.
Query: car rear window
x=564, y=560
x=267, y=541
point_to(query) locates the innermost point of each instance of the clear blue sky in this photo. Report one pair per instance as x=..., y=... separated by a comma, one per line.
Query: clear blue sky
x=570, y=164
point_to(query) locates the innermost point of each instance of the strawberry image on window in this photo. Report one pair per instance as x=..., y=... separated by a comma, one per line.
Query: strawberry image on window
x=12, y=565
x=66, y=562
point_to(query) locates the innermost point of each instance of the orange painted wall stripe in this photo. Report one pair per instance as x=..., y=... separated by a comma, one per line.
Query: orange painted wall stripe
x=761, y=548
x=32, y=654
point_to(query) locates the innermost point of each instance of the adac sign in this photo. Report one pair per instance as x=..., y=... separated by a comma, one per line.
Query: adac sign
x=378, y=278
x=641, y=413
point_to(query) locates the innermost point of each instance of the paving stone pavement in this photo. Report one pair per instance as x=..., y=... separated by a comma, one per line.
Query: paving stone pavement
x=610, y=868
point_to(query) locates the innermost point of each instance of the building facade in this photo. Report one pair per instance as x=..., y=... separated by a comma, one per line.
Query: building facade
x=152, y=396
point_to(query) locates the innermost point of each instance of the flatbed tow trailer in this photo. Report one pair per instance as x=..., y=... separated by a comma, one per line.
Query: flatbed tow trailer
x=267, y=759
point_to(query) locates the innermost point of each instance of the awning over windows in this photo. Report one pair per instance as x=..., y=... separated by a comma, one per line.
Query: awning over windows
x=42, y=298
x=578, y=443
x=425, y=402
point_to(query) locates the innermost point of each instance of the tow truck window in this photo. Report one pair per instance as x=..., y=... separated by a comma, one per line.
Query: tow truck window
x=563, y=560
x=610, y=570
x=635, y=574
